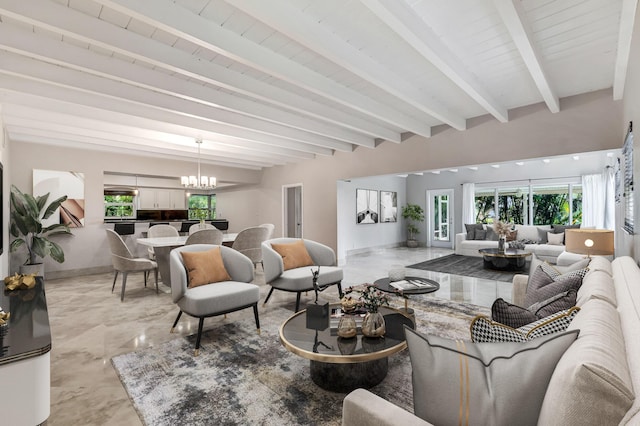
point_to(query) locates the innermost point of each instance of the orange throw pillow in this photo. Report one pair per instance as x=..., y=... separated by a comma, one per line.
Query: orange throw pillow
x=205, y=267
x=294, y=255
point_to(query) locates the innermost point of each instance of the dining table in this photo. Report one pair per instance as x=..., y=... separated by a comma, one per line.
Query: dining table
x=162, y=247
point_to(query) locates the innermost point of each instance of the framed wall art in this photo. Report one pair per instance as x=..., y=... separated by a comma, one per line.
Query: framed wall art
x=388, y=206
x=366, y=206
x=58, y=184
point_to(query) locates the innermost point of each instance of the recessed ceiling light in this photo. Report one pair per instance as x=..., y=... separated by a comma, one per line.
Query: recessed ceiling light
x=474, y=168
x=546, y=161
x=609, y=154
x=436, y=172
x=495, y=166
x=418, y=173
x=576, y=157
x=403, y=176
x=453, y=170
x=520, y=163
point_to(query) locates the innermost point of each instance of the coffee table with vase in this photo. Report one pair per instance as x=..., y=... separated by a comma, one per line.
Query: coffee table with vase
x=510, y=259
x=342, y=365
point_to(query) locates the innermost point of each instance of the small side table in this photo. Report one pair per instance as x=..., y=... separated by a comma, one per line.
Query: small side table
x=424, y=286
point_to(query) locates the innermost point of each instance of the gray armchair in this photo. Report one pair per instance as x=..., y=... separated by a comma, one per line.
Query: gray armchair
x=214, y=299
x=158, y=231
x=299, y=280
x=199, y=227
x=249, y=242
x=123, y=261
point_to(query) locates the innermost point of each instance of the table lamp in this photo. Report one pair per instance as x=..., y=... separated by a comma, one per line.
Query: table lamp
x=598, y=242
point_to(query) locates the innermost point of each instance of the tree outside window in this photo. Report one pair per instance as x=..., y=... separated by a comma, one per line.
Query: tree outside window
x=485, y=205
x=119, y=206
x=202, y=206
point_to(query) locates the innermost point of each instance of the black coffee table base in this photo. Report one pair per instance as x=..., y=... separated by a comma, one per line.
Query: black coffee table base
x=505, y=263
x=347, y=377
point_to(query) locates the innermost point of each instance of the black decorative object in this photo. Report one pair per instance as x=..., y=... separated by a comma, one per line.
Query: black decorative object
x=317, y=315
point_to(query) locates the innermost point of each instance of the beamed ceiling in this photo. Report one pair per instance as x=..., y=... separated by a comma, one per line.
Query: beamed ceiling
x=267, y=83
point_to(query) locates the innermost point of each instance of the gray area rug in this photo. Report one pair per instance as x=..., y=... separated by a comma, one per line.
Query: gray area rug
x=468, y=266
x=243, y=378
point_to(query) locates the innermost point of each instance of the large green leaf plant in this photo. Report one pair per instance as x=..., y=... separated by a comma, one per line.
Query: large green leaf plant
x=27, y=213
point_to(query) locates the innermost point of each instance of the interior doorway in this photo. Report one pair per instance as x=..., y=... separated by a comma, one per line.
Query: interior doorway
x=440, y=220
x=292, y=210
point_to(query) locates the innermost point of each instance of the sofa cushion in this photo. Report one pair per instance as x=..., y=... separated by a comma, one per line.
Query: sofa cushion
x=542, y=236
x=559, y=229
x=541, y=286
x=555, y=272
x=444, y=370
x=481, y=234
x=512, y=235
x=555, y=239
x=528, y=232
x=471, y=230
x=294, y=255
x=557, y=303
x=485, y=330
x=492, y=235
x=591, y=384
x=204, y=267
x=511, y=315
x=597, y=285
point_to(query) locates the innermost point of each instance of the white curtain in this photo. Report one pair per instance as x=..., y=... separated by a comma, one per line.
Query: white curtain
x=593, y=201
x=610, y=201
x=468, y=204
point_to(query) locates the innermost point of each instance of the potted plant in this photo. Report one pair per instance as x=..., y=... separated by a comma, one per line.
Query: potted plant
x=27, y=213
x=413, y=213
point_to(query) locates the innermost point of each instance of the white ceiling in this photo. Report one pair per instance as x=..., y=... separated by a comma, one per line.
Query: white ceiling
x=273, y=82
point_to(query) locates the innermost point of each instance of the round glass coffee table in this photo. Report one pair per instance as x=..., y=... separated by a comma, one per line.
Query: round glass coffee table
x=342, y=365
x=508, y=260
x=407, y=287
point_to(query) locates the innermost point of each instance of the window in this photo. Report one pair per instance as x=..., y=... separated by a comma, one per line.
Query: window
x=558, y=204
x=119, y=204
x=485, y=205
x=202, y=206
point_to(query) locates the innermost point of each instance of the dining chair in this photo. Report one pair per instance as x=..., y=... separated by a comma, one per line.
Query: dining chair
x=199, y=227
x=158, y=231
x=205, y=236
x=206, y=299
x=271, y=227
x=249, y=242
x=124, y=262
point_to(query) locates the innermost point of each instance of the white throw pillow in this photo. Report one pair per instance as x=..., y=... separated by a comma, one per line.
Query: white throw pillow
x=555, y=239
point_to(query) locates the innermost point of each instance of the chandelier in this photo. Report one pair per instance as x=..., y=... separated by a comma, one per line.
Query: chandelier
x=198, y=182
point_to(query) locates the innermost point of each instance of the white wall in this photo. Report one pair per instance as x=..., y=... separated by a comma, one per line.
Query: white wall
x=353, y=236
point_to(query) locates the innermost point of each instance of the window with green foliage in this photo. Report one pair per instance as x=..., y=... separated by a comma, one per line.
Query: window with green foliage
x=119, y=205
x=559, y=204
x=202, y=206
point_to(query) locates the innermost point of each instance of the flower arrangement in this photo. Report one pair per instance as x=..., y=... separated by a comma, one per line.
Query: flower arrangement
x=370, y=298
x=502, y=228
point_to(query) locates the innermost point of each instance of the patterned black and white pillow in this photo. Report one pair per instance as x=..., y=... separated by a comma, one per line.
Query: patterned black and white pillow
x=542, y=287
x=485, y=330
x=512, y=315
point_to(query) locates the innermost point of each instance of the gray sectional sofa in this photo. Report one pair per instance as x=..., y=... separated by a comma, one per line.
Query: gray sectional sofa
x=597, y=379
x=543, y=251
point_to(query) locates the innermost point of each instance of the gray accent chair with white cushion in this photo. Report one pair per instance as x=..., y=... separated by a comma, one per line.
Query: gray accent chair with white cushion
x=217, y=298
x=123, y=261
x=300, y=280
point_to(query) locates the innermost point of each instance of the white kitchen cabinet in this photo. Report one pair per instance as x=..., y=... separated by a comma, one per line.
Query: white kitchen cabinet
x=168, y=199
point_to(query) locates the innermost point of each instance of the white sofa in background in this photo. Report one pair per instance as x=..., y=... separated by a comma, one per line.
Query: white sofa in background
x=547, y=252
x=594, y=382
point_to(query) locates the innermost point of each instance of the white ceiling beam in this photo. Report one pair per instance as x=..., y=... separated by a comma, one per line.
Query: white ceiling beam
x=288, y=20
x=79, y=26
x=627, y=19
x=183, y=23
x=402, y=19
x=514, y=18
x=132, y=112
x=55, y=51
x=218, y=120
x=53, y=110
x=44, y=127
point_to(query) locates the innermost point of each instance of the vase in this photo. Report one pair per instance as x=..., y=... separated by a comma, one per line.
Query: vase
x=347, y=327
x=501, y=243
x=373, y=325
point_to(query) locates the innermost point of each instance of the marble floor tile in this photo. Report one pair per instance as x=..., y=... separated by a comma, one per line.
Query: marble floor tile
x=90, y=325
